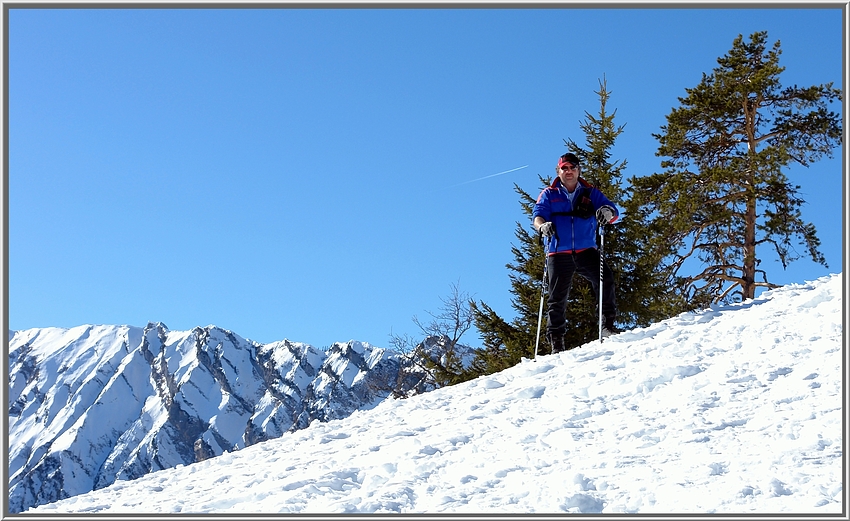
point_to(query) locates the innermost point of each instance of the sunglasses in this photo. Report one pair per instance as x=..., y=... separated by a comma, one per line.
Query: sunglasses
x=569, y=167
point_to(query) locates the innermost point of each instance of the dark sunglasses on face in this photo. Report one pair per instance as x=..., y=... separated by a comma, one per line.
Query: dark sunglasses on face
x=569, y=167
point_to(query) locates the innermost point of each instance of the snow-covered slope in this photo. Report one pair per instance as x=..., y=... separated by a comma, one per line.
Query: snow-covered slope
x=95, y=404
x=730, y=410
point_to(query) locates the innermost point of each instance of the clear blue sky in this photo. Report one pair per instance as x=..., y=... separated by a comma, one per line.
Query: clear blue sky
x=296, y=173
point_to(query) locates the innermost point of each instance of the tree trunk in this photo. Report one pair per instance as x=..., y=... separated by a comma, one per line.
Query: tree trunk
x=748, y=286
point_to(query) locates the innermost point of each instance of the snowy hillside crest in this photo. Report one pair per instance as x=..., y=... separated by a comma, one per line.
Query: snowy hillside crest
x=734, y=409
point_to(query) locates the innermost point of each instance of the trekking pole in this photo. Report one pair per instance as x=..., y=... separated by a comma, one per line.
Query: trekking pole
x=542, y=294
x=601, y=265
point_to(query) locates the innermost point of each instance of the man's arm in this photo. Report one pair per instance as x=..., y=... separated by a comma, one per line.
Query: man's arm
x=538, y=222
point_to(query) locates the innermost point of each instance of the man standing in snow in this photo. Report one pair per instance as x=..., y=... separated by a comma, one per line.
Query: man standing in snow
x=567, y=213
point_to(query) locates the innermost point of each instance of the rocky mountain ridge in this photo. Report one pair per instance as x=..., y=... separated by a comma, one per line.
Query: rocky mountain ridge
x=94, y=404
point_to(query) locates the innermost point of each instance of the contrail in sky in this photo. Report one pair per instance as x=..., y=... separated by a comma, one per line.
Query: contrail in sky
x=489, y=176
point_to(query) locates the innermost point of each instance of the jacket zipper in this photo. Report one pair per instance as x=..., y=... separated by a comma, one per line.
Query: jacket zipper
x=572, y=219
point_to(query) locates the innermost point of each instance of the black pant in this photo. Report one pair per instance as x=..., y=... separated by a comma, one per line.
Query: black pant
x=562, y=267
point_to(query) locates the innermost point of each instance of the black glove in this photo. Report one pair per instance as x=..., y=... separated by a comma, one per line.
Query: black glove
x=547, y=229
x=605, y=215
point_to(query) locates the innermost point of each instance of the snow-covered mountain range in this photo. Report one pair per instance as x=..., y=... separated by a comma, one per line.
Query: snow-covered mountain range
x=94, y=404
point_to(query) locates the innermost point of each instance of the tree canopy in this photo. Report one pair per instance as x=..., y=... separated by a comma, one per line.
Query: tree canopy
x=724, y=192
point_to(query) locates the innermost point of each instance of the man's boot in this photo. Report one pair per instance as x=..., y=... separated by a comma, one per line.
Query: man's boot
x=557, y=342
x=608, y=328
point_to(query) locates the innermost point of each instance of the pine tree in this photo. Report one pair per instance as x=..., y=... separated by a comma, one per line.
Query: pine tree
x=641, y=299
x=506, y=343
x=724, y=192
x=597, y=168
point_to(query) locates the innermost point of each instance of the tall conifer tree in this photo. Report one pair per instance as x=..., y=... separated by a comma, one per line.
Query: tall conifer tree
x=596, y=167
x=641, y=297
x=724, y=192
x=506, y=343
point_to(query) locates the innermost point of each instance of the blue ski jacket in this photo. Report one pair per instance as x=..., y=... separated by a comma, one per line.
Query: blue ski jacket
x=574, y=223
